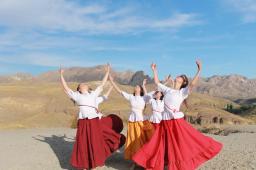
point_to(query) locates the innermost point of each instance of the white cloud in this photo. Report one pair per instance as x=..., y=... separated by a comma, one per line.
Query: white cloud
x=48, y=60
x=63, y=15
x=247, y=8
x=34, y=30
x=30, y=42
x=53, y=60
x=177, y=20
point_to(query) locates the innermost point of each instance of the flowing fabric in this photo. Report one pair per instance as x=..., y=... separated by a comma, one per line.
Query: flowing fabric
x=138, y=134
x=177, y=145
x=95, y=142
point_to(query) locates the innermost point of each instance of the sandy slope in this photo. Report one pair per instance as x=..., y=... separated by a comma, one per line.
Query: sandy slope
x=50, y=149
x=45, y=105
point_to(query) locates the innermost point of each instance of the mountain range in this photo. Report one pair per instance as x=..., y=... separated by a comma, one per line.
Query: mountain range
x=235, y=87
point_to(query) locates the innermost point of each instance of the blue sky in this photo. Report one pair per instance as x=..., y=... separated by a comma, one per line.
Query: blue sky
x=40, y=35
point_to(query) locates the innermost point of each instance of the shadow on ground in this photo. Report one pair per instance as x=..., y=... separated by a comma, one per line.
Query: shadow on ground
x=62, y=148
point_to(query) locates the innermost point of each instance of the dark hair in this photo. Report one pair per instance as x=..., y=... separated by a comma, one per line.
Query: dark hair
x=185, y=81
x=162, y=97
x=141, y=91
x=90, y=90
x=78, y=89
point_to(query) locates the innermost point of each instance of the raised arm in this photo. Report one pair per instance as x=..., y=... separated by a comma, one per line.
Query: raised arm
x=105, y=79
x=154, y=69
x=114, y=84
x=197, y=76
x=108, y=92
x=144, y=86
x=63, y=81
x=99, y=89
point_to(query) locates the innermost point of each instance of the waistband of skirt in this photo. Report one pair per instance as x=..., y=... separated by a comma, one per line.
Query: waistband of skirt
x=89, y=119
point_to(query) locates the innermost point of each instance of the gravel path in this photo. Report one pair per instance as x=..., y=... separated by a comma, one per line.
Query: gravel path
x=50, y=149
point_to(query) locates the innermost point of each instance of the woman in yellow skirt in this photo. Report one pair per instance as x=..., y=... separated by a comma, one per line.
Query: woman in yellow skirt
x=139, y=129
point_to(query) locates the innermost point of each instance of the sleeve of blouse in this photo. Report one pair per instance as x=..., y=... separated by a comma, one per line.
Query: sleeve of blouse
x=105, y=98
x=185, y=92
x=151, y=100
x=126, y=95
x=98, y=90
x=149, y=96
x=162, y=88
x=99, y=100
x=73, y=95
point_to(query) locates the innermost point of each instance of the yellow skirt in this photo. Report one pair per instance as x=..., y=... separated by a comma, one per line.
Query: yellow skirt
x=138, y=133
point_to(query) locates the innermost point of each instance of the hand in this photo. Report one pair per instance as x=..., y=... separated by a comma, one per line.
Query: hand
x=100, y=115
x=153, y=66
x=144, y=82
x=199, y=65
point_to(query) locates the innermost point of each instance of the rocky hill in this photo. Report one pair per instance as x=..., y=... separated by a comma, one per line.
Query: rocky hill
x=82, y=74
x=234, y=87
x=231, y=86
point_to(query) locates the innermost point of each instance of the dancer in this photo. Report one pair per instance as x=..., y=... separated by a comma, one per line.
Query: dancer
x=176, y=144
x=170, y=83
x=94, y=141
x=140, y=129
x=157, y=105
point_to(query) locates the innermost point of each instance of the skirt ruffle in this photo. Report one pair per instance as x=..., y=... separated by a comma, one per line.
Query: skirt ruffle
x=114, y=122
x=95, y=142
x=178, y=145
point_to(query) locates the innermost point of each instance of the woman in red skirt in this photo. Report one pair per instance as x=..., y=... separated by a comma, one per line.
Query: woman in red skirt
x=176, y=144
x=155, y=99
x=95, y=141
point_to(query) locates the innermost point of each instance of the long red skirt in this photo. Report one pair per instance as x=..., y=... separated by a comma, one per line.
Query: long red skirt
x=178, y=145
x=95, y=142
x=156, y=125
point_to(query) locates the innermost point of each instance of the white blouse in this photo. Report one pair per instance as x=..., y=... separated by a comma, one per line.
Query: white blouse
x=172, y=101
x=137, y=104
x=87, y=103
x=157, y=110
